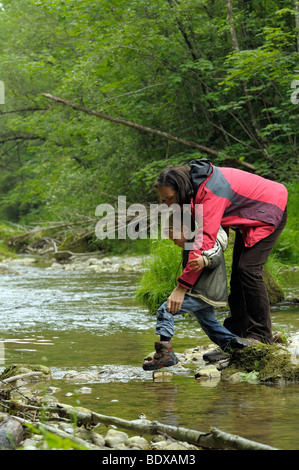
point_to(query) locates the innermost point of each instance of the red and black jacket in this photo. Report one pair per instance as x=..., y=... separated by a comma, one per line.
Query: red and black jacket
x=235, y=199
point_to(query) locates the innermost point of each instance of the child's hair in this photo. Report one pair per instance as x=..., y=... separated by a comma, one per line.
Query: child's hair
x=175, y=222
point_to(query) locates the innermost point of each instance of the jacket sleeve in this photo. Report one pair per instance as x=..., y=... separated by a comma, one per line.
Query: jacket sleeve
x=208, y=220
x=213, y=257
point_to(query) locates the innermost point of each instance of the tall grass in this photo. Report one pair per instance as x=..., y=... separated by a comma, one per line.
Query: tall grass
x=161, y=274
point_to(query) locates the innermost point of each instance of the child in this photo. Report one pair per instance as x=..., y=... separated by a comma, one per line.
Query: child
x=209, y=291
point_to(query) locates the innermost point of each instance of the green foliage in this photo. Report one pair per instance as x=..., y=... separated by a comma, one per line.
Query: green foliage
x=161, y=274
x=5, y=252
x=287, y=247
x=146, y=176
x=54, y=441
x=166, y=65
x=250, y=377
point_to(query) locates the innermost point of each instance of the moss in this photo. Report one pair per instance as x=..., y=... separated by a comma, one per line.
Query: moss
x=76, y=244
x=273, y=363
x=5, y=252
x=275, y=293
x=13, y=370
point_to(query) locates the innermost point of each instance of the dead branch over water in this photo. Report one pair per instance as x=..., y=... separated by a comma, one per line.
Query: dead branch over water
x=12, y=427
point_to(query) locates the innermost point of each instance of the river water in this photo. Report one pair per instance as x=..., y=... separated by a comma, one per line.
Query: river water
x=88, y=322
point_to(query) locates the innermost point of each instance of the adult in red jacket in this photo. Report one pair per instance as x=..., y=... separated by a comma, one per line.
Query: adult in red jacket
x=256, y=208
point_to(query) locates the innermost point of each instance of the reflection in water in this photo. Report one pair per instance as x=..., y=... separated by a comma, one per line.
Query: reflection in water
x=164, y=397
x=89, y=323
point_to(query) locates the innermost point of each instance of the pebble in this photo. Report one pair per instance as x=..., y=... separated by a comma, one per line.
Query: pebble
x=208, y=372
x=85, y=390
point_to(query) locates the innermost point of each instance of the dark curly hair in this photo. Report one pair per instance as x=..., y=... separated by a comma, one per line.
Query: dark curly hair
x=177, y=178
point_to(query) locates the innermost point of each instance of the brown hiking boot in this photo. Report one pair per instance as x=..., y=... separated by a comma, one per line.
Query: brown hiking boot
x=164, y=357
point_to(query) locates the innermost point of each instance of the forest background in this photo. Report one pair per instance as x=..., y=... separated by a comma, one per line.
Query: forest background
x=221, y=74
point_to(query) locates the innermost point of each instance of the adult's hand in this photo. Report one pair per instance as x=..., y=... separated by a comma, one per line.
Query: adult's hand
x=197, y=264
x=175, y=300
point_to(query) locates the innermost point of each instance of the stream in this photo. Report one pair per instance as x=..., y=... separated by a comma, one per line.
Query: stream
x=88, y=322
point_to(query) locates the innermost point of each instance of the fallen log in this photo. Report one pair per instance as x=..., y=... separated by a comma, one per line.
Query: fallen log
x=20, y=377
x=214, y=439
x=224, y=440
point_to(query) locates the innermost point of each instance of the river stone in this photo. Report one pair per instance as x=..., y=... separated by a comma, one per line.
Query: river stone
x=20, y=394
x=90, y=436
x=84, y=390
x=29, y=444
x=80, y=377
x=293, y=347
x=92, y=261
x=162, y=375
x=172, y=445
x=137, y=442
x=208, y=372
x=6, y=270
x=235, y=378
x=25, y=260
x=125, y=267
x=115, y=438
x=56, y=266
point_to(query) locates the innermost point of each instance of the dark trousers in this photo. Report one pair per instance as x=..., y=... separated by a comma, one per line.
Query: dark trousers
x=248, y=299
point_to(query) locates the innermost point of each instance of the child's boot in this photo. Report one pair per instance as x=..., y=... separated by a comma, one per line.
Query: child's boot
x=164, y=357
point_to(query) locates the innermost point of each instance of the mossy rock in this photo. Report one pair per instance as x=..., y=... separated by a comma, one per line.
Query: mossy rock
x=12, y=371
x=271, y=362
x=75, y=243
x=275, y=293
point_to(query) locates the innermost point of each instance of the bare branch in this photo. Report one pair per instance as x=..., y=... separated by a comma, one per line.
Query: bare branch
x=139, y=127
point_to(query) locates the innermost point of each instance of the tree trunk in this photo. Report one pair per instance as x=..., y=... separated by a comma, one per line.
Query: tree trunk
x=297, y=22
x=230, y=19
x=262, y=142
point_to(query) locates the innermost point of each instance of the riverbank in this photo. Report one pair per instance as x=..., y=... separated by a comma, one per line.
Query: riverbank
x=38, y=421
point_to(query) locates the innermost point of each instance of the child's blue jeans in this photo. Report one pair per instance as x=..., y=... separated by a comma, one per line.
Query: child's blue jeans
x=205, y=316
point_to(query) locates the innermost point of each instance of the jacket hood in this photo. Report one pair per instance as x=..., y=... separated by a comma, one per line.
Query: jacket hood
x=201, y=169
